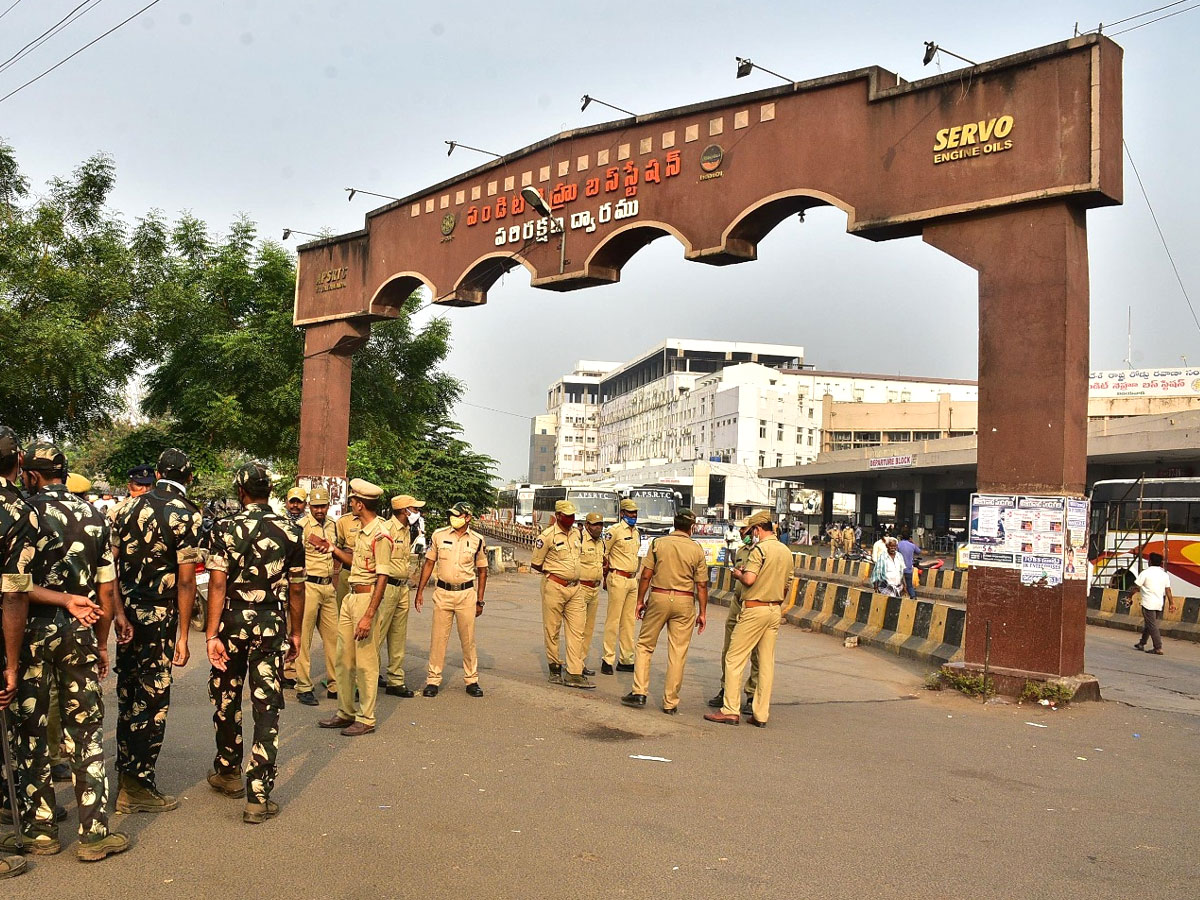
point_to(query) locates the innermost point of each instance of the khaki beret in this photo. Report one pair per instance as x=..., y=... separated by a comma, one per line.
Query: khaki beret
x=297, y=493
x=565, y=508
x=628, y=506
x=318, y=496
x=78, y=484
x=759, y=518
x=404, y=501
x=364, y=490
x=593, y=517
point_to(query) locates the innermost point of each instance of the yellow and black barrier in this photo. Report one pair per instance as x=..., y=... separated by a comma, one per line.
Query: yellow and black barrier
x=1119, y=609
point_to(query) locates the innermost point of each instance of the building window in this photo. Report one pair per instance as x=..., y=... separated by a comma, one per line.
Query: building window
x=905, y=396
x=926, y=435
x=959, y=433
x=762, y=428
x=762, y=460
x=778, y=460
x=896, y=437
x=810, y=439
x=858, y=395
x=779, y=433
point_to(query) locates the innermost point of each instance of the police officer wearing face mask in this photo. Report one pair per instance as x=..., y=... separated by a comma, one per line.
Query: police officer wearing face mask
x=556, y=556
x=745, y=543
x=297, y=497
x=622, y=543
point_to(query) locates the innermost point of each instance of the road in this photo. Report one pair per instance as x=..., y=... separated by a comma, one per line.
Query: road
x=863, y=785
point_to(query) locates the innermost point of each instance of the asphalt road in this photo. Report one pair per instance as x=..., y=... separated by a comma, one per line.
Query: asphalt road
x=863, y=785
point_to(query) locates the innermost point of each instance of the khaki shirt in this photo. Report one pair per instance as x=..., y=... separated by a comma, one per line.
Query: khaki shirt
x=772, y=564
x=739, y=562
x=401, y=548
x=348, y=527
x=372, y=553
x=622, y=544
x=557, y=552
x=678, y=563
x=591, y=557
x=455, y=556
x=318, y=562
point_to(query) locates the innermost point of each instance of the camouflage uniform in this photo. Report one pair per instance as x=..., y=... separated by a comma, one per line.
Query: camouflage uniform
x=71, y=555
x=152, y=536
x=260, y=552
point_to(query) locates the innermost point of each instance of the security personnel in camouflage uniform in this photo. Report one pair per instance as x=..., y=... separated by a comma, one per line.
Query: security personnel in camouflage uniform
x=141, y=479
x=591, y=575
x=156, y=545
x=556, y=555
x=73, y=604
x=18, y=530
x=622, y=544
x=392, y=633
x=256, y=566
x=673, y=578
x=358, y=658
x=767, y=576
x=320, y=606
x=735, y=608
x=457, y=557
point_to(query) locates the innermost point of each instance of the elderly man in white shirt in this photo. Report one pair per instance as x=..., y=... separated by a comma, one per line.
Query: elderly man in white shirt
x=1153, y=587
x=888, y=574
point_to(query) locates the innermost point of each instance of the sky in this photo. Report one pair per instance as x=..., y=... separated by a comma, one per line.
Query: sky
x=271, y=109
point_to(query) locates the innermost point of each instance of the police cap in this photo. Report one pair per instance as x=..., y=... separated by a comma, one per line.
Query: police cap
x=174, y=464
x=364, y=490
x=688, y=515
x=565, y=508
x=318, y=496
x=142, y=474
x=762, y=518
x=461, y=508
x=254, y=478
x=297, y=493
x=628, y=506
x=46, y=458
x=404, y=501
x=593, y=518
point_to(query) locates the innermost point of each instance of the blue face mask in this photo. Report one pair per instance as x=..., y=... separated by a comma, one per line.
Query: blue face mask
x=630, y=520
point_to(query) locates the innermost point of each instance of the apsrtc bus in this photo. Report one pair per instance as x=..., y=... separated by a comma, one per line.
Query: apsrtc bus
x=514, y=505
x=657, y=507
x=586, y=500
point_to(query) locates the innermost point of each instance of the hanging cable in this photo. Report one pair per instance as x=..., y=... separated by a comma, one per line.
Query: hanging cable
x=46, y=32
x=10, y=8
x=1140, y=15
x=29, y=48
x=1152, y=21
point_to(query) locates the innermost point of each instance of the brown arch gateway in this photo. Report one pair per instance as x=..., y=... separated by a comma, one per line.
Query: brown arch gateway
x=995, y=165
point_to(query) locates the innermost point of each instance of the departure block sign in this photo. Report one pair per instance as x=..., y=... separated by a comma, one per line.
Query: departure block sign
x=972, y=139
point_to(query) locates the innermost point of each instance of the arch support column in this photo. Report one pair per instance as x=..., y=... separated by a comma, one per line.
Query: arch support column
x=1033, y=378
x=325, y=395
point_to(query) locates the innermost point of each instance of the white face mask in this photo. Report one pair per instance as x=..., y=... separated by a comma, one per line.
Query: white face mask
x=412, y=518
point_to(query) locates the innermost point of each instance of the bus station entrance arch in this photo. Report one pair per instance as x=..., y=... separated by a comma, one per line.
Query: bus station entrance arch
x=995, y=165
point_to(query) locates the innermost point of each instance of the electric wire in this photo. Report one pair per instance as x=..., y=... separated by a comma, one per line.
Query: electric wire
x=29, y=48
x=1161, y=236
x=1178, y=12
x=10, y=8
x=1140, y=15
x=46, y=32
x=66, y=59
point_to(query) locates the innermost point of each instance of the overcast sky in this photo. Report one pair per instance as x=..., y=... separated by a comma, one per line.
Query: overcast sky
x=271, y=108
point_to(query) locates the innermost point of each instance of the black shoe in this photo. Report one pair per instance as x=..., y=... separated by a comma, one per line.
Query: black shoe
x=1135, y=647
x=475, y=690
x=756, y=723
x=332, y=694
x=289, y=683
x=588, y=672
x=400, y=691
x=624, y=667
x=430, y=690
x=555, y=668
x=718, y=701
x=61, y=773
x=307, y=698
x=637, y=701
x=606, y=668
x=748, y=706
x=382, y=681
x=673, y=711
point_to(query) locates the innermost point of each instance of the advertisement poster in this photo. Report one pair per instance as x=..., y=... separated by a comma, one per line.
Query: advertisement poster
x=1075, y=566
x=1043, y=537
x=1043, y=570
x=992, y=539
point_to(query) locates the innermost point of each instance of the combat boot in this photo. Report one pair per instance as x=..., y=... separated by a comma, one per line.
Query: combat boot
x=257, y=813
x=41, y=845
x=555, y=673
x=230, y=785
x=578, y=681
x=135, y=797
x=94, y=851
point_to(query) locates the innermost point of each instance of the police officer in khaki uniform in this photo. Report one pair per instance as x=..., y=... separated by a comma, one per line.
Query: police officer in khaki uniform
x=348, y=526
x=591, y=574
x=370, y=568
x=622, y=543
x=458, y=556
x=320, y=606
x=767, y=576
x=556, y=556
x=674, y=576
x=735, y=607
x=393, y=614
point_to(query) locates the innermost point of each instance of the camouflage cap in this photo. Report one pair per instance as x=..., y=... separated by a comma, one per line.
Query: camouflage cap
x=762, y=517
x=174, y=464
x=318, y=496
x=404, y=501
x=44, y=457
x=565, y=508
x=9, y=446
x=142, y=474
x=78, y=484
x=594, y=518
x=687, y=514
x=297, y=493
x=461, y=508
x=254, y=478
x=628, y=506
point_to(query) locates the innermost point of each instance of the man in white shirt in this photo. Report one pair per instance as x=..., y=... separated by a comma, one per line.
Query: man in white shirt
x=878, y=548
x=888, y=573
x=1153, y=587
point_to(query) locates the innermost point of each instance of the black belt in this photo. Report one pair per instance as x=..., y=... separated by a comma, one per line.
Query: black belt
x=319, y=579
x=447, y=586
x=397, y=582
x=260, y=605
x=44, y=613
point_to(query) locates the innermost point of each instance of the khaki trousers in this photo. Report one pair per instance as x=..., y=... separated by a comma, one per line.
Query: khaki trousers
x=358, y=661
x=320, y=614
x=756, y=630
x=735, y=607
x=342, y=582
x=591, y=602
x=678, y=614
x=393, y=632
x=448, y=606
x=563, y=605
x=620, y=618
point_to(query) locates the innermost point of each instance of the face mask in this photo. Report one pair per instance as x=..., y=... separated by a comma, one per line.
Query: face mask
x=630, y=520
x=748, y=540
x=457, y=522
x=412, y=518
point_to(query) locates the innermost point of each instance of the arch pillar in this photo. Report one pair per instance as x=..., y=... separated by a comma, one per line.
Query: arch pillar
x=1033, y=365
x=329, y=349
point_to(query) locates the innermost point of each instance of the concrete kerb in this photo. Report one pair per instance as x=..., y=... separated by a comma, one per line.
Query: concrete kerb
x=1116, y=609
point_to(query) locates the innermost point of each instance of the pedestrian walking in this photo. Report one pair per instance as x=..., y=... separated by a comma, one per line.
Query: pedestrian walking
x=908, y=548
x=457, y=558
x=674, y=579
x=319, y=534
x=887, y=575
x=766, y=576
x=622, y=544
x=156, y=548
x=1153, y=588
x=556, y=557
x=393, y=615
x=256, y=569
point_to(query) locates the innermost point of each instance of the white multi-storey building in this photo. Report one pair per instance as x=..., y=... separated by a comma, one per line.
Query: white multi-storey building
x=574, y=403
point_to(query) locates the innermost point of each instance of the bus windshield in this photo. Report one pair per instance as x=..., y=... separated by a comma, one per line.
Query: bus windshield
x=524, y=504
x=603, y=502
x=654, y=506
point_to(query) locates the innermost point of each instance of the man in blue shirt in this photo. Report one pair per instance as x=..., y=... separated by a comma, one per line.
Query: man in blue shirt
x=910, y=552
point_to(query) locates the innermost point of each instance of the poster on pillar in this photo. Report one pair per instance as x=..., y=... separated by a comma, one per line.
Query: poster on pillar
x=1039, y=536
x=337, y=487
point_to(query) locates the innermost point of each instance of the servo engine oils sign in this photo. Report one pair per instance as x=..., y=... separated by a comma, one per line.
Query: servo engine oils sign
x=972, y=139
